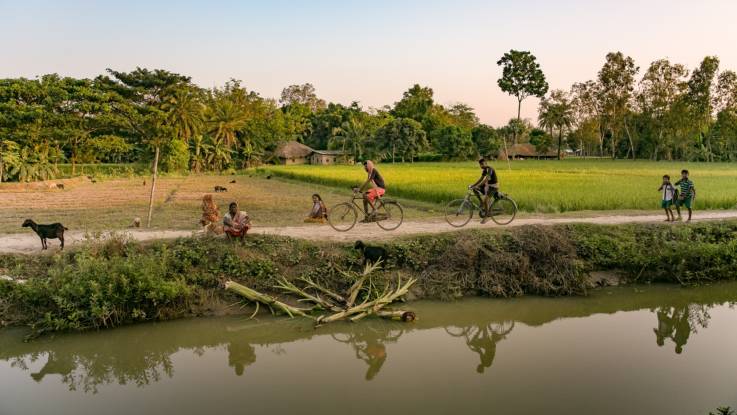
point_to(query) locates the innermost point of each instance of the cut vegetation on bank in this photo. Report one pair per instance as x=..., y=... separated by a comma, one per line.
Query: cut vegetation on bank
x=118, y=282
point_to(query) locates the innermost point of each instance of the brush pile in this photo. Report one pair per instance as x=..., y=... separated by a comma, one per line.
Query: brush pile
x=362, y=299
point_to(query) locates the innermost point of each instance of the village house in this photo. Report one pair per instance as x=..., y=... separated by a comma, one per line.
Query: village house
x=293, y=152
x=528, y=151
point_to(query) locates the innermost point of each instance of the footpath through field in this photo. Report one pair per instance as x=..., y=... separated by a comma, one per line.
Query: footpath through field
x=30, y=243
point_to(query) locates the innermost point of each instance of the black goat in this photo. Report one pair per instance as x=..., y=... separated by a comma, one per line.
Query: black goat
x=371, y=254
x=60, y=186
x=232, y=181
x=53, y=231
x=219, y=189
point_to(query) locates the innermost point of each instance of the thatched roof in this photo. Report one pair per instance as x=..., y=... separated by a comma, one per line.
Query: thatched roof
x=292, y=150
x=527, y=150
x=331, y=152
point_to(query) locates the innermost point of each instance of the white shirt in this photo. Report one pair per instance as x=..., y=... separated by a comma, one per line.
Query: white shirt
x=668, y=192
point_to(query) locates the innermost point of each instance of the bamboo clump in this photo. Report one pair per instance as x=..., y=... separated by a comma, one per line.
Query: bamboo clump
x=326, y=306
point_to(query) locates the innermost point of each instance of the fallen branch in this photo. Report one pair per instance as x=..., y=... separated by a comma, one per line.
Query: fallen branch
x=270, y=301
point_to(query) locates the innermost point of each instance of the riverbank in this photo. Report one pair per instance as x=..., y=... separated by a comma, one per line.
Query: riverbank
x=118, y=281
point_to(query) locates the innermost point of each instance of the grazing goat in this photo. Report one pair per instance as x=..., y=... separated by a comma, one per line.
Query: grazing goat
x=371, y=254
x=60, y=186
x=232, y=181
x=53, y=231
x=268, y=177
x=219, y=189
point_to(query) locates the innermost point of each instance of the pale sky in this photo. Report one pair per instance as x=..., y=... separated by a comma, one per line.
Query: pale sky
x=358, y=50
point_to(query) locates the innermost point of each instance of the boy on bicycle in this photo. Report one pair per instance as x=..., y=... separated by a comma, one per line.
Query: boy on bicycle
x=372, y=189
x=487, y=185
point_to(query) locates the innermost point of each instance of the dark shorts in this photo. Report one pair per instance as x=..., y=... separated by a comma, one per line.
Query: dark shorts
x=685, y=202
x=665, y=204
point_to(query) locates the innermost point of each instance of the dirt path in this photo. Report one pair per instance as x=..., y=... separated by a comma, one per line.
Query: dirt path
x=29, y=242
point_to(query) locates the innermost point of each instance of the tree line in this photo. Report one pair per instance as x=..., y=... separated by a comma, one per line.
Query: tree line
x=159, y=116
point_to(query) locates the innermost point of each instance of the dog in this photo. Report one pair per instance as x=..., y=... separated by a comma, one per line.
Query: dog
x=60, y=186
x=371, y=254
x=53, y=231
x=219, y=189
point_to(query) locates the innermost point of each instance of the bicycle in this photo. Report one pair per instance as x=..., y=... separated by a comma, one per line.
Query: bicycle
x=388, y=214
x=460, y=211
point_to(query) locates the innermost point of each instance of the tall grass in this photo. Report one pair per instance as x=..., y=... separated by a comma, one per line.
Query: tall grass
x=541, y=186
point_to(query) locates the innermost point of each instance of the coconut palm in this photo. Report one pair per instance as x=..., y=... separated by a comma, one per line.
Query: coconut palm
x=556, y=112
x=351, y=133
x=225, y=119
x=184, y=113
x=220, y=154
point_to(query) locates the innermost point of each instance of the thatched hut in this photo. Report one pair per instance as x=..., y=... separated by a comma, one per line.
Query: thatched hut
x=525, y=151
x=292, y=152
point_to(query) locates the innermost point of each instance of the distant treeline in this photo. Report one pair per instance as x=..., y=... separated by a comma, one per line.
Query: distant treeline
x=138, y=116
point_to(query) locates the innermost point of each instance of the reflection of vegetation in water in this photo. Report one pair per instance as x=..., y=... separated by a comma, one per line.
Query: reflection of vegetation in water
x=483, y=339
x=86, y=372
x=240, y=355
x=370, y=346
x=677, y=323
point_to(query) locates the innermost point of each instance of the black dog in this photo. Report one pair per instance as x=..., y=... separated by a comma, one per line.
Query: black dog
x=371, y=254
x=53, y=231
x=219, y=189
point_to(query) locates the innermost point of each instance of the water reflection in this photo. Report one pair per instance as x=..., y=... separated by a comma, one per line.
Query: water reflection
x=142, y=354
x=677, y=323
x=369, y=345
x=482, y=340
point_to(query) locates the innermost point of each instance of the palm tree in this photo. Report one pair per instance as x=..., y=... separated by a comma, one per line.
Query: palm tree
x=219, y=155
x=351, y=133
x=224, y=120
x=556, y=112
x=184, y=113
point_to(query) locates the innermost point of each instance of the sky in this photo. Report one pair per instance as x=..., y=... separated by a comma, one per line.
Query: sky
x=366, y=51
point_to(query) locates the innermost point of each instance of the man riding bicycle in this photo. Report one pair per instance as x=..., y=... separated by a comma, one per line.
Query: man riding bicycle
x=487, y=185
x=372, y=189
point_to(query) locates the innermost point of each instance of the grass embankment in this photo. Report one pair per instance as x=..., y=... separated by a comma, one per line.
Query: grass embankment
x=541, y=186
x=117, y=282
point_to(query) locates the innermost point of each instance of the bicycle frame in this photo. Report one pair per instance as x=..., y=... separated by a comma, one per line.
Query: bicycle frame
x=359, y=196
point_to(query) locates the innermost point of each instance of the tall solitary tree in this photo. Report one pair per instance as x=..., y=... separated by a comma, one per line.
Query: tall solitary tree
x=617, y=84
x=521, y=77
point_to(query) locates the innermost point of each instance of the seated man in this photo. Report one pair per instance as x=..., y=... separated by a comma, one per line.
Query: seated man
x=236, y=223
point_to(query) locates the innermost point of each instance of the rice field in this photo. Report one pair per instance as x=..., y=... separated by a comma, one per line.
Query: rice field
x=541, y=186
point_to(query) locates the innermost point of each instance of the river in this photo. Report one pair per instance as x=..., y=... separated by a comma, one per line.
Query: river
x=628, y=350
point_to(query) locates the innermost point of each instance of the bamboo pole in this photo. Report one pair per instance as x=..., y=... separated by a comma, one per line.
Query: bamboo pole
x=270, y=301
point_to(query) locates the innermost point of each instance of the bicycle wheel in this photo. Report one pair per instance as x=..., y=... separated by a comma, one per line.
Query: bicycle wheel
x=342, y=217
x=458, y=212
x=503, y=211
x=389, y=215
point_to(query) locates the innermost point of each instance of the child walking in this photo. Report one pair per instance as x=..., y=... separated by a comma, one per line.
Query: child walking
x=669, y=194
x=686, y=194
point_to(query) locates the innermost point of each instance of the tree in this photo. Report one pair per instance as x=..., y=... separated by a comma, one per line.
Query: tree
x=455, y=143
x=486, y=140
x=616, y=86
x=521, y=77
x=351, y=134
x=415, y=104
x=137, y=98
x=661, y=88
x=701, y=101
x=727, y=90
x=556, y=112
x=302, y=95
x=401, y=137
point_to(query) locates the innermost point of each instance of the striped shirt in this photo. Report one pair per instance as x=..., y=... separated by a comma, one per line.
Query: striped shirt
x=686, y=188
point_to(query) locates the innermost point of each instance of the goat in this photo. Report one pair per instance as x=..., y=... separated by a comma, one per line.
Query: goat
x=371, y=254
x=219, y=189
x=232, y=181
x=268, y=177
x=60, y=186
x=53, y=231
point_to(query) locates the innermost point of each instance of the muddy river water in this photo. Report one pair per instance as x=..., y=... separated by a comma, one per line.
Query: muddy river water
x=629, y=350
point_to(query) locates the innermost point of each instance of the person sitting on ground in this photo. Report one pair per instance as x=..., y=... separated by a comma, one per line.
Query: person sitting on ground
x=669, y=193
x=373, y=188
x=487, y=185
x=319, y=212
x=236, y=223
x=210, y=216
x=686, y=195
